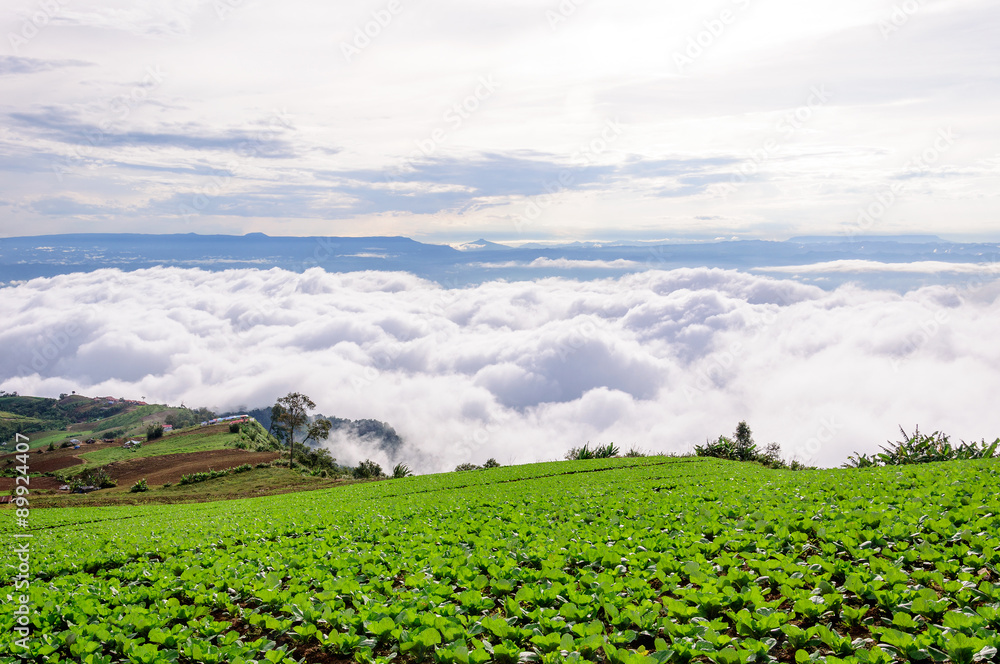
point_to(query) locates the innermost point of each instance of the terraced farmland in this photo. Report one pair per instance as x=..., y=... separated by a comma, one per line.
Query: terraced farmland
x=625, y=561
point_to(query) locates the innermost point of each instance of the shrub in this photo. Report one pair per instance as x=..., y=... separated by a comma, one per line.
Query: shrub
x=634, y=452
x=462, y=467
x=586, y=452
x=195, y=478
x=154, y=431
x=210, y=474
x=65, y=444
x=234, y=427
x=923, y=448
x=741, y=447
x=52, y=447
x=139, y=487
x=400, y=471
x=491, y=463
x=367, y=469
x=98, y=478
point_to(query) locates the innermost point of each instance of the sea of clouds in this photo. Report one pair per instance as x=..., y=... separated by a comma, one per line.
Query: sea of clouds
x=522, y=371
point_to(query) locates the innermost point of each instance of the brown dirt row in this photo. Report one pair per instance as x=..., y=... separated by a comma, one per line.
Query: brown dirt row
x=170, y=467
x=163, y=469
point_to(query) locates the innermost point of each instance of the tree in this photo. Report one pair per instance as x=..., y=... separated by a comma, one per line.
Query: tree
x=318, y=430
x=291, y=412
x=746, y=449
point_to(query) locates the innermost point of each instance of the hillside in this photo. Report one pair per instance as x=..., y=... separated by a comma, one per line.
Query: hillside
x=47, y=420
x=160, y=462
x=625, y=561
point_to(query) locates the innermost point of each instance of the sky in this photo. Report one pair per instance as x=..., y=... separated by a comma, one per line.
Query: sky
x=518, y=120
x=522, y=371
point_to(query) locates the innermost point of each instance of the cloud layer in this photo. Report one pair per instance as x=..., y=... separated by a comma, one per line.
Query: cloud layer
x=522, y=371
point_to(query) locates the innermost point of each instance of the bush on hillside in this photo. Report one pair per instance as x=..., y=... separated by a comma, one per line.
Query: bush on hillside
x=96, y=478
x=741, y=447
x=154, y=431
x=587, y=452
x=367, y=469
x=923, y=448
x=139, y=487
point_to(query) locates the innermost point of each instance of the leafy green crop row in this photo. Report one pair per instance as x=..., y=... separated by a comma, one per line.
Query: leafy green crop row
x=627, y=561
x=194, y=478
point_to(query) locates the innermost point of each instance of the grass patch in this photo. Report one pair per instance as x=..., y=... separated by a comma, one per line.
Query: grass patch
x=43, y=438
x=196, y=440
x=132, y=421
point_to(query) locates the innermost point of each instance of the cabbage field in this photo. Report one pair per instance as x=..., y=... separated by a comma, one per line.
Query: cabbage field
x=627, y=561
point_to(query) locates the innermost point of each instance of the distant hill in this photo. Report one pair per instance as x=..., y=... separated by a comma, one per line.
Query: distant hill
x=482, y=245
x=901, y=239
x=47, y=420
x=482, y=260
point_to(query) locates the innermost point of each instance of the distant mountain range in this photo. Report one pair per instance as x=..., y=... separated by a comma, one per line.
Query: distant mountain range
x=24, y=258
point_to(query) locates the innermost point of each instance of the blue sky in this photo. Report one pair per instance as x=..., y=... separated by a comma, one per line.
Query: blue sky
x=514, y=120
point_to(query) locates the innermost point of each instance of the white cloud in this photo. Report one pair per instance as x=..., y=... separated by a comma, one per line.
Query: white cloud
x=858, y=265
x=522, y=371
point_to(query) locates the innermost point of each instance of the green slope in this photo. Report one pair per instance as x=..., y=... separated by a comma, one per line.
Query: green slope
x=216, y=437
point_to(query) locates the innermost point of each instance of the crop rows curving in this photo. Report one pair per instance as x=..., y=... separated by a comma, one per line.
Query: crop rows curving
x=625, y=561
